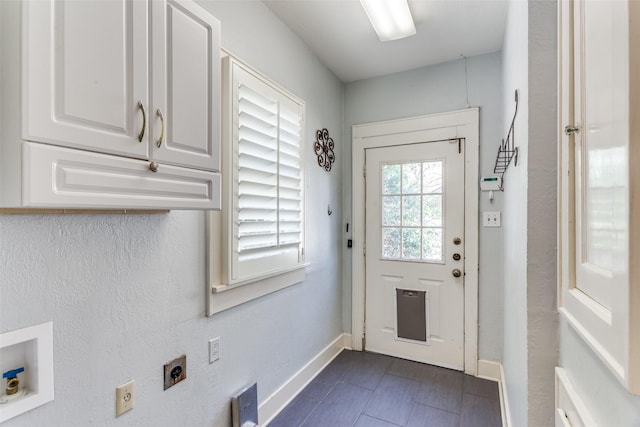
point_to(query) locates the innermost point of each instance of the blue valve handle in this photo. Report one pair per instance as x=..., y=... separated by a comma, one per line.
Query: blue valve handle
x=13, y=373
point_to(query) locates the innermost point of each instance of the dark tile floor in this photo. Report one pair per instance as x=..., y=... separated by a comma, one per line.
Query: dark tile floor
x=370, y=390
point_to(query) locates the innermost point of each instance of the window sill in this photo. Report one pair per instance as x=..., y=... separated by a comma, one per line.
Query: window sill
x=224, y=297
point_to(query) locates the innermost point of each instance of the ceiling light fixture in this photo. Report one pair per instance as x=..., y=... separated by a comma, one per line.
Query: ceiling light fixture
x=390, y=18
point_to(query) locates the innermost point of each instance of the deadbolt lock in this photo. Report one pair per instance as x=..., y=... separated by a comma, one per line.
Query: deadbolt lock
x=456, y=257
x=456, y=272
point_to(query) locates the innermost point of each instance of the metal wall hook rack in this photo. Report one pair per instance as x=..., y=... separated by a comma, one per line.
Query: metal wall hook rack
x=507, y=150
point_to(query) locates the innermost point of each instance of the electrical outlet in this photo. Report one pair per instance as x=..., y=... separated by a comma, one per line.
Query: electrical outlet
x=124, y=398
x=175, y=371
x=214, y=349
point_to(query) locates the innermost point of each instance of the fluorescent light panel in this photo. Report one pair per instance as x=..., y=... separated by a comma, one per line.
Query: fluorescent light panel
x=390, y=18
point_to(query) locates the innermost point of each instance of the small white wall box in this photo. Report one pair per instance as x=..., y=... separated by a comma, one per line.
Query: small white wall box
x=491, y=183
x=32, y=349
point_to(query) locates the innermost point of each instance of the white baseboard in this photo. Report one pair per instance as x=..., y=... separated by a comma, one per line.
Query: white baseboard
x=347, y=341
x=494, y=371
x=504, y=400
x=489, y=370
x=294, y=385
x=570, y=409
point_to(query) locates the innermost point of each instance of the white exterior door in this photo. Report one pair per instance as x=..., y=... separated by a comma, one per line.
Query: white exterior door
x=86, y=73
x=414, y=303
x=186, y=85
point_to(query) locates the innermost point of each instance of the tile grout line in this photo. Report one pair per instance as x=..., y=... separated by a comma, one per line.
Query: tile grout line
x=364, y=406
x=317, y=404
x=333, y=386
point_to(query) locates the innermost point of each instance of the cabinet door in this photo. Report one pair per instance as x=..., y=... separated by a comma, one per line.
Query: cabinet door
x=85, y=73
x=186, y=85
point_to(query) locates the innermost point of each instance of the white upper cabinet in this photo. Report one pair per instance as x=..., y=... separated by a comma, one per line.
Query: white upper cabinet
x=137, y=83
x=186, y=85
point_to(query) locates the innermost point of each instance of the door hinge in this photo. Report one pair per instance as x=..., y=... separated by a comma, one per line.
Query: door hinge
x=364, y=172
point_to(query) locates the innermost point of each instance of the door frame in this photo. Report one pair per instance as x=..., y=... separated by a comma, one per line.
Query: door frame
x=449, y=125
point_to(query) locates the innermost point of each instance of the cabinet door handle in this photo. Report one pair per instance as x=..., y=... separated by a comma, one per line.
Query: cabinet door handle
x=144, y=121
x=159, y=141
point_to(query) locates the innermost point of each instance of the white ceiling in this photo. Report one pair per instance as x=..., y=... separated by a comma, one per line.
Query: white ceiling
x=339, y=32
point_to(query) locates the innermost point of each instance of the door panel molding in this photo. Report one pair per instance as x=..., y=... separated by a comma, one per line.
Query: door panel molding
x=456, y=124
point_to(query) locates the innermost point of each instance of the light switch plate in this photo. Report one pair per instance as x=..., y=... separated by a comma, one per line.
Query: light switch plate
x=491, y=219
x=214, y=349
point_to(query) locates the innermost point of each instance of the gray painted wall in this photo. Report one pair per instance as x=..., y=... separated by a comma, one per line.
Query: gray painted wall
x=542, y=211
x=530, y=316
x=127, y=293
x=431, y=90
x=515, y=62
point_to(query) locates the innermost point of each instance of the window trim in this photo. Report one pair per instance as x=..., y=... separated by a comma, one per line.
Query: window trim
x=223, y=292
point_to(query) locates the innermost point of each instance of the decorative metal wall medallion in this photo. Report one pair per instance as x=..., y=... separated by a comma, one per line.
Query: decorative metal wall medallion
x=323, y=148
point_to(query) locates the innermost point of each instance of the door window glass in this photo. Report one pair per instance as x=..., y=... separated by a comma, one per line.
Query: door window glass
x=413, y=211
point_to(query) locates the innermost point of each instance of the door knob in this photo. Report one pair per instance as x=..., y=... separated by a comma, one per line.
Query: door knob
x=457, y=240
x=456, y=272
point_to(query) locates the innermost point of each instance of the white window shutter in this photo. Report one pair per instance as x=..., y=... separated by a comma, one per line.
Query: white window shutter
x=267, y=185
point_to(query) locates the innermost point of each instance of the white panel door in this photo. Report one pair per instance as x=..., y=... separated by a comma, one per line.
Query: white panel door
x=186, y=85
x=414, y=247
x=86, y=75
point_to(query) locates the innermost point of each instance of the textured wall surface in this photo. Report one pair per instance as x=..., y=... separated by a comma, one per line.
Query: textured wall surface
x=126, y=293
x=432, y=90
x=530, y=315
x=514, y=220
x=542, y=316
